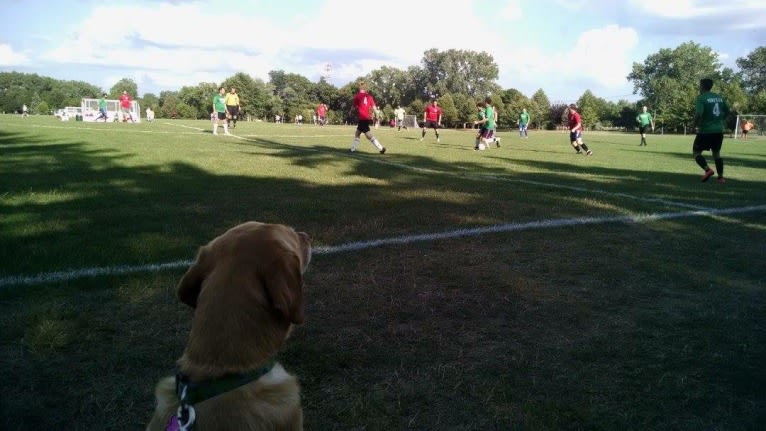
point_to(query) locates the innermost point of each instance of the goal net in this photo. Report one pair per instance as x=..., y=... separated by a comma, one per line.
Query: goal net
x=113, y=113
x=411, y=121
x=753, y=123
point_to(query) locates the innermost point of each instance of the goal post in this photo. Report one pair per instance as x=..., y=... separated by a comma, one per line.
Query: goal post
x=411, y=121
x=754, y=123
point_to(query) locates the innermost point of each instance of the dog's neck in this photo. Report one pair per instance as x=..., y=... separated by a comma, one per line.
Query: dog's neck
x=240, y=349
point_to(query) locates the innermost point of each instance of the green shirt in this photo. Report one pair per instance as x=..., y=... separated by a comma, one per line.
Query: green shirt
x=102, y=104
x=523, y=119
x=711, y=112
x=644, y=119
x=490, y=113
x=218, y=103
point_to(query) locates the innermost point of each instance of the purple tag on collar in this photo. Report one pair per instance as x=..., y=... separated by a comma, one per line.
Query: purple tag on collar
x=173, y=424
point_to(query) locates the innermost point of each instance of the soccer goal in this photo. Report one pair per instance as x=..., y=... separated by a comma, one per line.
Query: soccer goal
x=113, y=112
x=754, y=123
x=411, y=121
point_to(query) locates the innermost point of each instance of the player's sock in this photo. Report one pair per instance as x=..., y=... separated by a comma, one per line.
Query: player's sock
x=355, y=144
x=215, y=128
x=577, y=148
x=700, y=159
x=584, y=147
x=376, y=143
x=719, y=166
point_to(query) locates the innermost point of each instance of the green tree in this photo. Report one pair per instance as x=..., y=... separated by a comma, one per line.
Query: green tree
x=150, y=100
x=539, y=109
x=515, y=101
x=43, y=108
x=465, y=107
x=449, y=110
x=669, y=80
x=458, y=71
x=253, y=93
x=124, y=84
x=753, y=69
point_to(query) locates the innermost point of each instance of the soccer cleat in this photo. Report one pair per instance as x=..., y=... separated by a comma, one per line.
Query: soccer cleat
x=437, y=140
x=578, y=152
x=721, y=180
x=497, y=142
x=590, y=153
x=708, y=173
x=421, y=139
x=383, y=151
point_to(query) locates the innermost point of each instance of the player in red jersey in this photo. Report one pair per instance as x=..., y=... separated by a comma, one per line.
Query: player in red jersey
x=432, y=117
x=125, y=103
x=575, y=130
x=322, y=114
x=364, y=104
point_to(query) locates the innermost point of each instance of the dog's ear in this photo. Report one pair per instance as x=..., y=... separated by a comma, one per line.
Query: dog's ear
x=191, y=283
x=284, y=285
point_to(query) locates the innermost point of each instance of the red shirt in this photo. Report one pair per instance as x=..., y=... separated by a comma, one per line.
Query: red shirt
x=321, y=110
x=574, y=120
x=433, y=113
x=364, y=103
x=125, y=101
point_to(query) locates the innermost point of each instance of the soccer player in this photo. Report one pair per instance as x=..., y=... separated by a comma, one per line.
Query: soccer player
x=488, y=120
x=102, y=108
x=232, y=107
x=399, y=115
x=645, y=121
x=364, y=104
x=219, y=108
x=322, y=114
x=125, y=107
x=432, y=117
x=24, y=111
x=523, y=123
x=710, y=111
x=575, y=130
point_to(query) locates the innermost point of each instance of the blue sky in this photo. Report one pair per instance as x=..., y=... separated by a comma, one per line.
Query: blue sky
x=563, y=47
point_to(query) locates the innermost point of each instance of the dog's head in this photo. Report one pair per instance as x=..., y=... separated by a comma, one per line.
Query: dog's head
x=250, y=262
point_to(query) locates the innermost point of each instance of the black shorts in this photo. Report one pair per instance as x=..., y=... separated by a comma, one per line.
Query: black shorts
x=645, y=129
x=221, y=115
x=744, y=132
x=233, y=110
x=431, y=125
x=708, y=142
x=363, y=126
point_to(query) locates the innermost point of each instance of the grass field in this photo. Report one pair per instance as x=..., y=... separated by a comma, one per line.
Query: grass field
x=519, y=288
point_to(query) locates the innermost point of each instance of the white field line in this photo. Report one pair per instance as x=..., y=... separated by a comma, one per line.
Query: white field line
x=61, y=276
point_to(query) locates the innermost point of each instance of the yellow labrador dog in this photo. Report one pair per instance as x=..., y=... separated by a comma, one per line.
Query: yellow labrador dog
x=246, y=287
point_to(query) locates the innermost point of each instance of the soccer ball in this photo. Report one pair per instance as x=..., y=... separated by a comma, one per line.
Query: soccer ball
x=482, y=147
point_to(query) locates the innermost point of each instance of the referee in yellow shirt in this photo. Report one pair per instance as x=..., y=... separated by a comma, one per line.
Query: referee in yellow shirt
x=232, y=107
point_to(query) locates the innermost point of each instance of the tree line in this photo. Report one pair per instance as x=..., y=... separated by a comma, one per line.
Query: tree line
x=666, y=81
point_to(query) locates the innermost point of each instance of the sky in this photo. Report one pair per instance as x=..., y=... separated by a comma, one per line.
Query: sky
x=564, y=47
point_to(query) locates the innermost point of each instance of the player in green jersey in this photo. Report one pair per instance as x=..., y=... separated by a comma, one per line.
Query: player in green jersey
x=645, y=121
x=219, y=109
x=523, y=123
x=710, y=114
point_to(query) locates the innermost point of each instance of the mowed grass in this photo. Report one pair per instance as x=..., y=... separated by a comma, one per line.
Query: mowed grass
x=532, y=324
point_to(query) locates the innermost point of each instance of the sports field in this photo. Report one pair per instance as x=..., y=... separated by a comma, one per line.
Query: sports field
x=520, y=288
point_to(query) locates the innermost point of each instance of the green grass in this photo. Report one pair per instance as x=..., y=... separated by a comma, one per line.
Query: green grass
x=655, y=325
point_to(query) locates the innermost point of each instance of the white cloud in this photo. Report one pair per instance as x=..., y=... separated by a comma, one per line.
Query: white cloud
x=599, y=60
x=511, y=11
x=8, y=57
